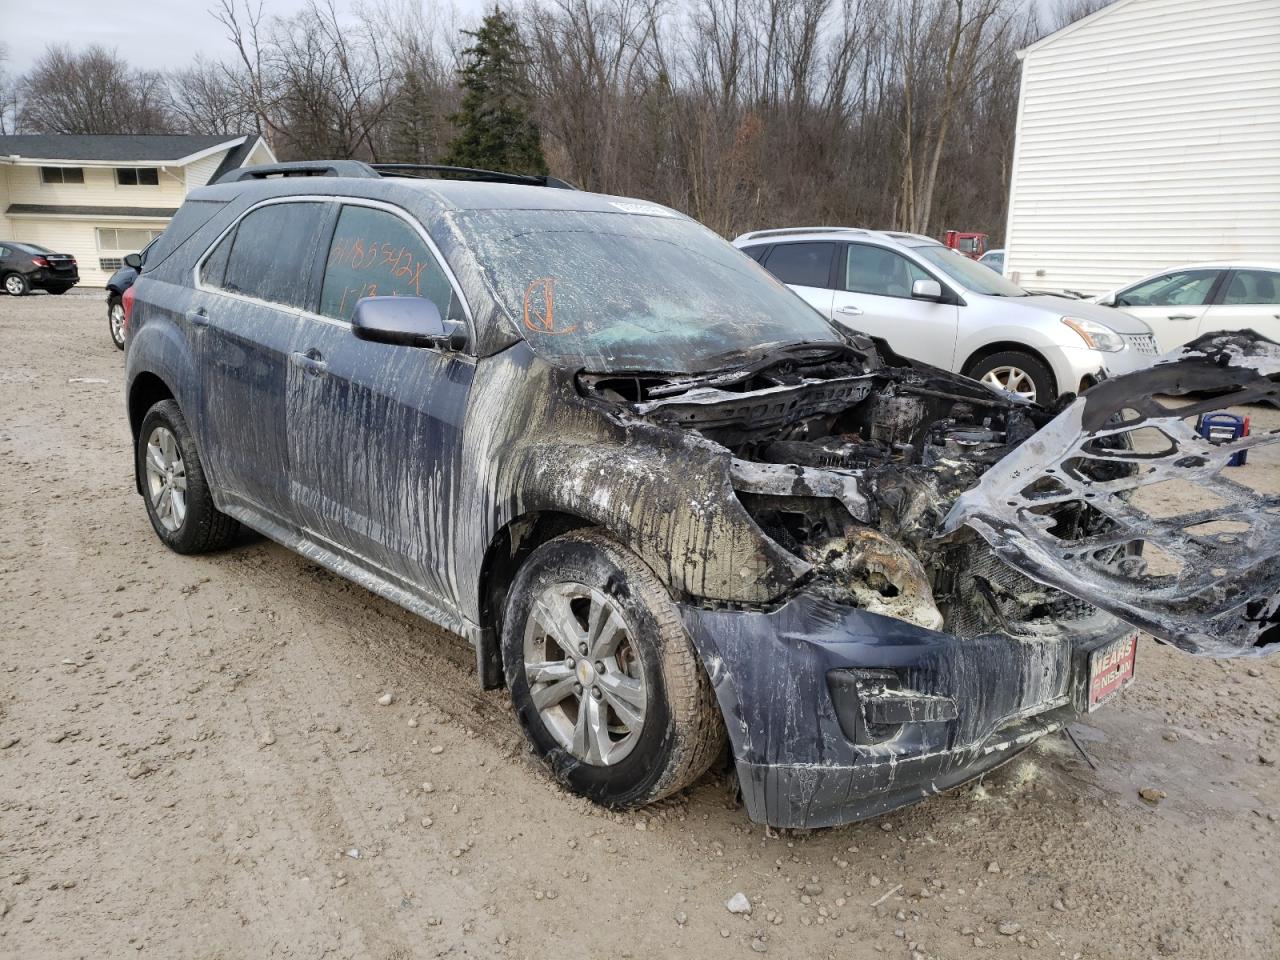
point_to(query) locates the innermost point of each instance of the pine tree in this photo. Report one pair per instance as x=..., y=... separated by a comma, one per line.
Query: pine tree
x=496, y=128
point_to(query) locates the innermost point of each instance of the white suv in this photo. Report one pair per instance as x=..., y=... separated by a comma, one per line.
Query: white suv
x=933, y=304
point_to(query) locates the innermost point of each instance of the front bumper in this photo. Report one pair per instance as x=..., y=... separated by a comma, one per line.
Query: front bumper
x=799, y=766
x=1078, y=368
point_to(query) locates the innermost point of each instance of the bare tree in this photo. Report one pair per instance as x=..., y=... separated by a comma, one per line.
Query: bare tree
x=203, y=98
x=93, y=91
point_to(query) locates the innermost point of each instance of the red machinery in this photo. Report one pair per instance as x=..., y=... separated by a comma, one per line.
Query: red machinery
x=972, y=245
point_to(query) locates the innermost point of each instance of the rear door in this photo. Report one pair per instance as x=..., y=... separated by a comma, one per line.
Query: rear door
x=873, y=295
x=254, y=286
x=806, y=268
x=1172, y=304
x=375, y=430
x=1248, y=299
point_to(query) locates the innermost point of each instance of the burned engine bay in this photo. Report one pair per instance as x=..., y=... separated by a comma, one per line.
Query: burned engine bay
x=856, y=461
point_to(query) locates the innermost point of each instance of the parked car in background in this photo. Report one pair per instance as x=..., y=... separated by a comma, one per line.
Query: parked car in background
x=28, y=266
x=933, y=304
x=117, y=284
x=670, y=504
x=1181, y=303
x=993, y=259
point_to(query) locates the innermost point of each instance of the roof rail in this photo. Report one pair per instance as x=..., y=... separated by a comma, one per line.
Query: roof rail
x=424, y=170
x=300, y=168
x=788, y=231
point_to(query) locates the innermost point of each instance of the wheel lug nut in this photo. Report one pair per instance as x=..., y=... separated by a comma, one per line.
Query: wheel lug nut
x=577, y=688
x=568, y=662
x=582, y=649
x=599, y=666
x=597, y=693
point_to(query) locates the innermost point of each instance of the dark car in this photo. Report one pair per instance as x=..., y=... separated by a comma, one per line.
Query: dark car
x=27, y=266
x=669, y=504
x=117, y=284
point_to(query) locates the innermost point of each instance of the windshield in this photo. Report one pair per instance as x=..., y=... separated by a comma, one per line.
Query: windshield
x=968, y=273
x=606, y=291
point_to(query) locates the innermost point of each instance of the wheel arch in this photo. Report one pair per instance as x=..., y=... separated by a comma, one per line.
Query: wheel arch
x=145, y=392
x=1001, y=346
x=506, y=553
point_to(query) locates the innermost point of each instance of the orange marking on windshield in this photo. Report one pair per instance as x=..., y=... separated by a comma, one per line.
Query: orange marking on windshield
x=540, y=307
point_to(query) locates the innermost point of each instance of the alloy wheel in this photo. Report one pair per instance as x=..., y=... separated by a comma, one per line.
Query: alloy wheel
x=166, y=478
x=585, y=675
x=1012, y=380
x=13, y=285
x=116, y=316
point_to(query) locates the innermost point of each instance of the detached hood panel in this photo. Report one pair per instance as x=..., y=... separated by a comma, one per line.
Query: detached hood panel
x=1208, y=578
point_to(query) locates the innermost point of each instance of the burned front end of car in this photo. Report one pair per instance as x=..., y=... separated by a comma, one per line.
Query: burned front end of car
x=933, y=630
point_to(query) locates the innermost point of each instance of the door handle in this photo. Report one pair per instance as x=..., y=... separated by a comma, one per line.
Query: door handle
x=1182, y=316
x=198, y=318
x=310, y=362
x=851, y=311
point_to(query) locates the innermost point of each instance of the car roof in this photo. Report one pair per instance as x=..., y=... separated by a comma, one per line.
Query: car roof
x=792, y=234
x=433, y=195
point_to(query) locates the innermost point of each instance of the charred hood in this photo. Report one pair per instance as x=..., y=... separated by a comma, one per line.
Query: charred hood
x=924, y=495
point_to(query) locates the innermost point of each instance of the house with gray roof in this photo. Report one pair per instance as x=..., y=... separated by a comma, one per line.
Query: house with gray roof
x=101, y=197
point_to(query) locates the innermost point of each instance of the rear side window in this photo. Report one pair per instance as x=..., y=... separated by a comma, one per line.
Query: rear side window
x=802, y=264
x=1252, y=287
x=377, y=254
x=214, y=267
x=273, y=252
x=755, y=253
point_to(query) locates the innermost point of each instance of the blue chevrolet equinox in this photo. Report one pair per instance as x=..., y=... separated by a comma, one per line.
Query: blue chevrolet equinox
x=678, y=513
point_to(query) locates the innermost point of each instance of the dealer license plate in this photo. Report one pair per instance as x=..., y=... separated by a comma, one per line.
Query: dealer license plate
x=1111, y=669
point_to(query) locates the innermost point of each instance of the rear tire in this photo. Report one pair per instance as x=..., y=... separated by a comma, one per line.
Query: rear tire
x=174, y=487
x=115, y=320
x=640, y=662
x=16, y=285
x=1022, y=373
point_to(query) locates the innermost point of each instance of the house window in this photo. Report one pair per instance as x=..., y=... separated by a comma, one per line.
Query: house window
x=61, y=175
x=137, y=176
x=128, y=239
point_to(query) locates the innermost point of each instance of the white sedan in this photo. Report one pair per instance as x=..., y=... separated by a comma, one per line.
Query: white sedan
x=1181, y=303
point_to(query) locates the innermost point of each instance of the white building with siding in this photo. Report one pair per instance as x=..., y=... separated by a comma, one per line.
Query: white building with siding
x=1148, y=136
x=101, y=197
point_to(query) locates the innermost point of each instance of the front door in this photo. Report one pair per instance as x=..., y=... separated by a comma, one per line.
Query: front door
x=375, y=430
x=1172, y=304
x=244, y=317
x=873, y=295
x=1249, y=300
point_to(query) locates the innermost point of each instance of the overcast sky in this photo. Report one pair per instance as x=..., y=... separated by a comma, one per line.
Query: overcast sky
x=162, y=33
x=159, y=34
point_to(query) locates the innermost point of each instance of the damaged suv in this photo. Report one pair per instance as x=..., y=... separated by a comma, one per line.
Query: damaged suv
x=668, y=503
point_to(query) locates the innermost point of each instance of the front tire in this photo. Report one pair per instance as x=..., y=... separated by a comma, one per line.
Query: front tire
x=16, y=285
x=174, y=487
x=605, y=681
x=1017, y=372
x=115, y=321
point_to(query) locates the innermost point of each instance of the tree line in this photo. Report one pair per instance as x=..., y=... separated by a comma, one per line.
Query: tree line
x=895, y=114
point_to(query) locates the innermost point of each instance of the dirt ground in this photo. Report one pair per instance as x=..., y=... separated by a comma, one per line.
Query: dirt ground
x=194, y=763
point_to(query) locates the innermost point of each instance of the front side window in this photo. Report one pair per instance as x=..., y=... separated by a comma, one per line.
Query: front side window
x=1252, y=287
x=801, y=264
x=628, y=291
x=273, y=252
x=377, y=254
x=137, y=176
x=880, y=271
x=62, y=175
x=1182, y=288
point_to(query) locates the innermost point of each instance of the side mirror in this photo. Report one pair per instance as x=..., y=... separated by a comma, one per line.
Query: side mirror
x=133, y=260
x=403, y=321
x=926, y=290
x=1107, y=299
